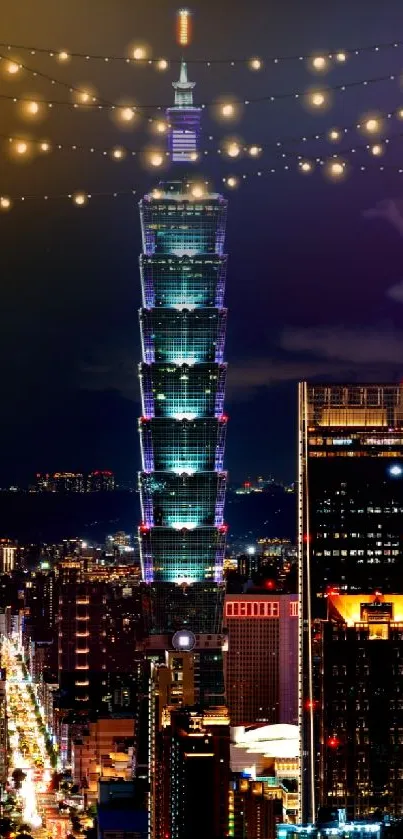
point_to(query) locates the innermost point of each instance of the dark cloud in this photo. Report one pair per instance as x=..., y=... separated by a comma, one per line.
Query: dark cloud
x=366, y=347
x=391, y=210
x=395, y=292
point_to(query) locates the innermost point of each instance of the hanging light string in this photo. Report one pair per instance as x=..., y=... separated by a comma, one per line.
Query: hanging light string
x=334, y=168
x=338, y=54
x=301, y=94
x=229, y=149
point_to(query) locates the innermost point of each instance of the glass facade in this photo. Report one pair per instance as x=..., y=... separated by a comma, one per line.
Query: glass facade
x=182, y=379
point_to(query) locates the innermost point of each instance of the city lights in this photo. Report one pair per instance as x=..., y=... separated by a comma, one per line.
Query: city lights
x=183, y=27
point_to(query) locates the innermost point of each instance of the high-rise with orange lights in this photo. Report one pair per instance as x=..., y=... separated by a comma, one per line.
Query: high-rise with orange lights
x=350, y=546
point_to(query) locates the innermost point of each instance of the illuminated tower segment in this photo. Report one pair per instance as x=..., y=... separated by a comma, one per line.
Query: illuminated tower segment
x=184, y=120
x=182, y=375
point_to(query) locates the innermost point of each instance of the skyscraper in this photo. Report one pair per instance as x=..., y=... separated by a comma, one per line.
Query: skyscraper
x=350, y=537
x=182, y=378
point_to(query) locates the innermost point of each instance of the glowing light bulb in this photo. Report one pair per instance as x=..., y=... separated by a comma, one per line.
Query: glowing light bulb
x=194, y=156
x=334, y=134
x=377, y=149
x=80, y=199
x=318, y=99
x=5, y=202
x=126, y=114
x=139, y=53
x=255, y=64
x=117, y=153
x=372, y=125
x=21, y=147
x=232, y=182
x=197, y=191
x=228, y=110
x=32, y=108
x=319, y=62
x=44, y=147
x=162, y=64
x=161, y=127
x=233, y=150
x=13, y=68
x=84, y=97
x=341, y=57
x=254, y=151
x=400, y=113
x=156, y=193
x=156, y=159
x=63, y=56
x=306, y=166
x=336, y=169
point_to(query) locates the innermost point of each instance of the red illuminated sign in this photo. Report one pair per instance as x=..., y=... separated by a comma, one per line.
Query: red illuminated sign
x=252, y=608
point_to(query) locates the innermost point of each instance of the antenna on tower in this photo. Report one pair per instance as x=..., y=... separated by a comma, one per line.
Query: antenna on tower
x=183, y=27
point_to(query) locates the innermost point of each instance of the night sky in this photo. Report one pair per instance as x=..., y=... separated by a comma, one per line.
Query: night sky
x=315, y=281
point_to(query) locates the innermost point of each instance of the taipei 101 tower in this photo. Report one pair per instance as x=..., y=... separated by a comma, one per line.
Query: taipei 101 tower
x=182, y=377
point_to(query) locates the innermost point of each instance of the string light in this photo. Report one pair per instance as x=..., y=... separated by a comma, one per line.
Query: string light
x=156, y=159
x=139, y=54
x=44, y=146
x=161, y=127
x=377, y=150
x=336, y=168
x=21, y=147
x=372, y=125
x=12, y=68
x=318, y=99
x=232, y=182
x=337, y=55
x=334, y=135
x=118, y=153
x=227, y=110
x=162, y=64
x=255, y=64
x=5, y=202
x=32, y=108
x=157, y=193
x=80, y=199
x=233, y=149
x=126, y=114
x=254, y=151
x=319, y=63
x=306, y=166
x=197, y=191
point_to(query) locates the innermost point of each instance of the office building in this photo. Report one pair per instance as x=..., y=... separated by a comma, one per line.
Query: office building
x=100, y=480
x=350, y=537
x=192, y=768
x=261, y=657
x=360, y=705
x=182, y=378
x=8, y=551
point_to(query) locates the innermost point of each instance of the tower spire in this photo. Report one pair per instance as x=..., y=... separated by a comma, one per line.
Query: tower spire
x=183, y=88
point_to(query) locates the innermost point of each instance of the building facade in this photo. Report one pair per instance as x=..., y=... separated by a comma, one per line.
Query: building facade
x=261, y=657
x=182, y=379
x=350, y=539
